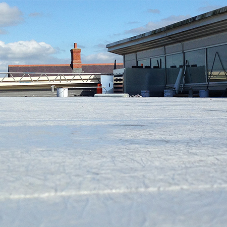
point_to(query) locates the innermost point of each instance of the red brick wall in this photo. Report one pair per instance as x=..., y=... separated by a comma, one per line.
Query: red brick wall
x=76, y=57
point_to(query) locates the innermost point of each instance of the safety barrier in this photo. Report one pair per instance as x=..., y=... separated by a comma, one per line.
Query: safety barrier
x=15, y=79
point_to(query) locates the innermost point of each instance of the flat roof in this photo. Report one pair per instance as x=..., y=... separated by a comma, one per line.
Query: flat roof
x=202, y=25
x=103, y=162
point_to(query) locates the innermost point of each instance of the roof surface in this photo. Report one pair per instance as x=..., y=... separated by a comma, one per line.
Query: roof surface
x=113, y=162
x=106, y=68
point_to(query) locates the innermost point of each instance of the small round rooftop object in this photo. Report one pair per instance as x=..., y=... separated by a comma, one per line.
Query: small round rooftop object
x=62, y=92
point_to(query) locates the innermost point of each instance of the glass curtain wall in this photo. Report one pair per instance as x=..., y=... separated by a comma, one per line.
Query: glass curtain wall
x=145, y=63
x=155, y=63
x=199, y=63
x=195, y=66
x=158, y=62
x=173, y=64
x=217, y=63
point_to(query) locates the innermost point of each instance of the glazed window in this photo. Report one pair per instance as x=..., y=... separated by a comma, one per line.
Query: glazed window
x=158, y=62
x=173, y=64
x=217, y=63
x=195, y=66
x=174, y=61
x=144, y=62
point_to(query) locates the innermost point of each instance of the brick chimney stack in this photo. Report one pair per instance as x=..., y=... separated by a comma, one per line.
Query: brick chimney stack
x=76, y=59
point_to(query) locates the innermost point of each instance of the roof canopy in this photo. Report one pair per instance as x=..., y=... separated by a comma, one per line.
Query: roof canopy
x=199, y=26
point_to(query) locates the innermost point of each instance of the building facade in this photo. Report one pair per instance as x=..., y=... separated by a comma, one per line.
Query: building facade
x=196, y=48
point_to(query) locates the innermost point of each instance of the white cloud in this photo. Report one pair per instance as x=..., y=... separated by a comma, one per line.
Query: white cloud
x=133, y=22
x=100, y=46
x=154, y=11
x=9, y=16
x=154, y=25
x=27, y=52
x=4, y=67
x=36, y=14
x=81, y=46
x=208, y=8
x=104, y=57
x=3, y=32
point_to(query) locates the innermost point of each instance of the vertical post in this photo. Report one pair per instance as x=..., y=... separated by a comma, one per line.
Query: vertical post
x=206, y=66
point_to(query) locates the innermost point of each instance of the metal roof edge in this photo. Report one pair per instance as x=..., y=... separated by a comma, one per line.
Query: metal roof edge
x=171, y=26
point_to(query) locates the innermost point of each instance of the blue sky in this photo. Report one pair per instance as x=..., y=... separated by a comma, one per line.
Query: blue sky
x=43, y=31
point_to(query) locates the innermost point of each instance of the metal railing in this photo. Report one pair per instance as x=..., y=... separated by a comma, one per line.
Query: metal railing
x=51, y=77
x=26, y=78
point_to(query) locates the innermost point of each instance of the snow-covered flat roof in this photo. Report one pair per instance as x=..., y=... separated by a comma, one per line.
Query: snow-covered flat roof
x=113, y=162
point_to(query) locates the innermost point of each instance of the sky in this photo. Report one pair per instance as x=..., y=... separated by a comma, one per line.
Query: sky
x=44, y=31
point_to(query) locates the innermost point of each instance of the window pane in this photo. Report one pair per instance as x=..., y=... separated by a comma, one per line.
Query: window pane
x=173, y=65
x=158, y=62
x=217, y=63
x=174, y=61
x=144, y=63
x=195, y=66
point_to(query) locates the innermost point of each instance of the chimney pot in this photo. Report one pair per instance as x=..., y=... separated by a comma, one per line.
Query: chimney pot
x=75, y=45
